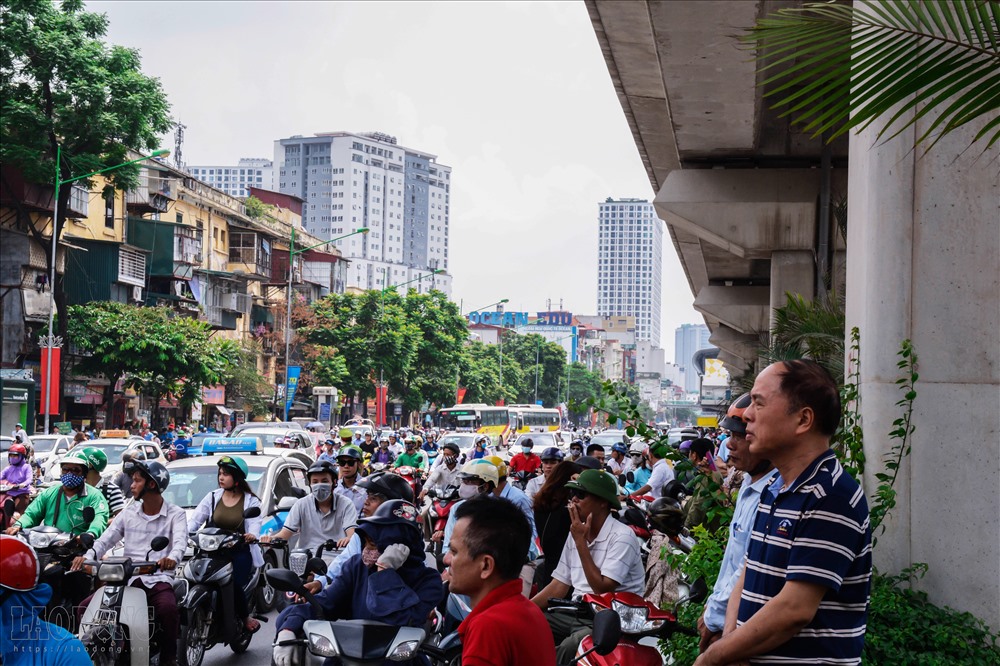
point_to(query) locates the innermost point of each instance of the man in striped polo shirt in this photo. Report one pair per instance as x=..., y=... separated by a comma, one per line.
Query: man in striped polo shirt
x=803, y=595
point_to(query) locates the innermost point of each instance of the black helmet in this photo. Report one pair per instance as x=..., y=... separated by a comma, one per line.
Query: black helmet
x=394, y=487
x=451, y=445
x=552, y=453
x=733, y=420
x=589, y=462
x=152, y=470
x=666, y=515
x=321, y=467
x=394, y=512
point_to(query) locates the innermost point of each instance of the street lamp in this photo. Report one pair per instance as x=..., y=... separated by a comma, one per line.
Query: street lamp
x=50, y=341
x=288, y=306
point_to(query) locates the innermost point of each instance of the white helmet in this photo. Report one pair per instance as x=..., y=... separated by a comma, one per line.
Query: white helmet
x=637, y=447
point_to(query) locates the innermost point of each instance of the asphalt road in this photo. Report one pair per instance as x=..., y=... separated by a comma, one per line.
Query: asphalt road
x=259, y=653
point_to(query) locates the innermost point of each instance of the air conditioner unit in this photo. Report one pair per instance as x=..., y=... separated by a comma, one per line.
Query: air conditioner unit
x=137, y=294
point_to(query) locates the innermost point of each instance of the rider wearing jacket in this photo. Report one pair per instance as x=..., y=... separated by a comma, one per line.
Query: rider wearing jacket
x=26, y=639
x=61, y=506
x=387, y=582
x=18, y=474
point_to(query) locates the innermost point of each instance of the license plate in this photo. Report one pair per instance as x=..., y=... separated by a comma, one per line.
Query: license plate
x=105, y=616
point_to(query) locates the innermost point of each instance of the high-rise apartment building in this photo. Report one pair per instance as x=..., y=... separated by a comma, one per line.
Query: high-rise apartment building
x=688, y=339
x=235, y=180
x=629, y=264
x=349, y=181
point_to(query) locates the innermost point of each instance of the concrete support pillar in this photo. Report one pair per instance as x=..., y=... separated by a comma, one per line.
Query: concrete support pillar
x=791, y=271
x=924, y=263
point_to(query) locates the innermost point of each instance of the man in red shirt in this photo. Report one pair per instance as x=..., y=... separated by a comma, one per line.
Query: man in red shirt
x=487, y=550
x=525, y=461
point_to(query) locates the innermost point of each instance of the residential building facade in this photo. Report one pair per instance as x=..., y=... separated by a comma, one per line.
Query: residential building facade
x=236, y=181
x=630, y=264
x=402, y=196
x=688, y=339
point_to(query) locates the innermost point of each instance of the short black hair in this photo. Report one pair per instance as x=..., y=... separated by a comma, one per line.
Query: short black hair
x=498, y=528
x=701, y=446
x=806, y=383
x=594, y=447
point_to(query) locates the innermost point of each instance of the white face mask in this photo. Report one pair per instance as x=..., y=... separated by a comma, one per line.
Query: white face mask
x=322, y=491
x=465, y=491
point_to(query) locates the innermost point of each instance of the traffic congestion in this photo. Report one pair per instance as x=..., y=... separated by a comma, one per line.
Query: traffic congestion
x=361, y=544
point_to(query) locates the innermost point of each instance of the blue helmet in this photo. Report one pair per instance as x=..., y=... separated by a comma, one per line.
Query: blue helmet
x=552, y=453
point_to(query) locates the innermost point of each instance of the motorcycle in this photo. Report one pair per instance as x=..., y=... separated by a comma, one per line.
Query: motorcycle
x=521, y=479
x=354, y=642
x=11, y=505
x=305, y=564
x=56, y=551
x=208, y=614
x=437, y=517
x=412, y=476
x=116, y=627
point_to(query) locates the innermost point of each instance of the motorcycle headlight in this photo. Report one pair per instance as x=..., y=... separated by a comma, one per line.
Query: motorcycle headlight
x=297, y=562
x=41, y=539
x=210, y=542
x=634, y=619
x=111, y=573
x=404, y=651
x=321, y=645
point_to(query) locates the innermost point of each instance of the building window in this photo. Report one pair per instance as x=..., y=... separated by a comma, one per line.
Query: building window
x=109, y=210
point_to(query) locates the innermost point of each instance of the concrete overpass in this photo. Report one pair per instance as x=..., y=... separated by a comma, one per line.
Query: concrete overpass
x=744, y=197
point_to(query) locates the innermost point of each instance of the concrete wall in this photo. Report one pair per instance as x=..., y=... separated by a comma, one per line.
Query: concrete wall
x=924, y=263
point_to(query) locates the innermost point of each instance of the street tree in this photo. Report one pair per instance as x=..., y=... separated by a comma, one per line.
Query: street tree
x=62, y=86
x=443, y=333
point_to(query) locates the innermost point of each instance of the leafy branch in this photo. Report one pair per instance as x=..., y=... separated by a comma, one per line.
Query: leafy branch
x=850, y=438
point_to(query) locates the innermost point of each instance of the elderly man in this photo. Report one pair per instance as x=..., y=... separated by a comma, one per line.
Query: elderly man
x=803, y=594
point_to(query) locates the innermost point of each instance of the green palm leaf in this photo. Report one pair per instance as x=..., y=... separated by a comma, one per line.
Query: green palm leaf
x=833, y=67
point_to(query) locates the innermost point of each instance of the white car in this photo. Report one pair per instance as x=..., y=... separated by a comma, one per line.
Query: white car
x=49, y=448
x=271, y=437
x=114, y=449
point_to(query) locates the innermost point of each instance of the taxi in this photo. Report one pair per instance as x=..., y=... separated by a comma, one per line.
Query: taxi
x=276, y=476
x=114, y=449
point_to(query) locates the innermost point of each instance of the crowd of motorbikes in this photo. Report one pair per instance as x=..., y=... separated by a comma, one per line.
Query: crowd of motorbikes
x=117, y=628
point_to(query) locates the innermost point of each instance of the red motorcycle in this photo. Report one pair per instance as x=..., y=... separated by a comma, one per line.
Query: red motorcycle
x=412, y=475
x=437, y=516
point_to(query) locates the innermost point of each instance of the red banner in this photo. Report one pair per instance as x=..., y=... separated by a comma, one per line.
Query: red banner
x=461, y=395
x=52, y=389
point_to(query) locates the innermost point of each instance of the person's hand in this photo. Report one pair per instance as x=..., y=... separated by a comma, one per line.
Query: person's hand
x=707, y=635
x=265, y=538
x=284, y=655
x=343, y=542
x=249, y=538
x=12, y=530
x=393, y=557
x=438, y=536
x=166, y=564
x=78, y=563
x=577, y=528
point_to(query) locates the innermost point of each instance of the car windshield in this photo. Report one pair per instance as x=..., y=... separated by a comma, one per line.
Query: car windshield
x=189, y=485
x=44, y=444
x=114, y=452
x=608, y=439
x=540, y=440
x=463, y=441
x=269, y=438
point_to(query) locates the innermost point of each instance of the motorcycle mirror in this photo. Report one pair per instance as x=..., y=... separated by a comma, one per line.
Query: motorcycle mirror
x=316, y=565
x=158, y=544
x=630, y=477
x=88, y=515
x=698, y=591
x=284, y=580
x=607, y=631
x=622, y=479
x=298, y=492
x=87, y=540
x=252, y=512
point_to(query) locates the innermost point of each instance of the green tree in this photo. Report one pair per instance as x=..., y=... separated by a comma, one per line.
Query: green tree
x=62, y=86
x=836, y=67
x=443, y=332
x=584, y=388
x=479, y=373
x=524, y=349
x=245, y=383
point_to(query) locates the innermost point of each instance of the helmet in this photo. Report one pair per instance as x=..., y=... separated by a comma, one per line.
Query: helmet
x=552, y=453
x=410, y=442
x=152, y=470
x=235, y=466
x=351, y=451
x=452, y=446
x=330, y=441
x=392, y=486
x=20, y=450
x=733, y=420
x=394, y=512
x=97, y=459
x=75, y=457
x=346, y=434
x=674, y=490
x=576, y=442
x=666, y=515
x=637, y=447
x=482, y=439
x=18, y=565
x=481, y=469
x=499, y=464
x=620, y=448
x=322, y=467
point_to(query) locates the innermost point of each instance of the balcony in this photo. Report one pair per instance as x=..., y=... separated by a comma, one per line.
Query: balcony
x=78, y=207
x=155, y=236
x=153, y=194
x=250, y=253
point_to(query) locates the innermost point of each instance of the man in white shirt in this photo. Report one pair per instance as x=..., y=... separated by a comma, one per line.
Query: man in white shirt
x=662, y=473
x=320, y=516
x=601, y=555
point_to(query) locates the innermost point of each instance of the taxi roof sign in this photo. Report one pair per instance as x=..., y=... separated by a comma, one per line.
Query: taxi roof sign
x=212, y=445
x=115, y=434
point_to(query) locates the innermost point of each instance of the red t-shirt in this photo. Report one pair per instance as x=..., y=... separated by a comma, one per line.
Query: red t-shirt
x=506, y=629
x=523, y=463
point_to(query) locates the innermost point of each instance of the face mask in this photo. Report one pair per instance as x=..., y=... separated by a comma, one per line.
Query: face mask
x=525, y=449
x=466, y=491
x=16, y=459
x=71, y=481
x=574, y=453
x=449, y=460
x=322, y=491
x=369, y=556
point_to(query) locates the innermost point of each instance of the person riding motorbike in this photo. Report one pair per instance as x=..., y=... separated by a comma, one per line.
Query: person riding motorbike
x=148, y=517
x=321, y=516
x=349, y=460
x=619, y=463
x=383, y=454
x=329, y=452
x=97, y=461
x=387, y=582
x=223, y=508
x=26, y=639
x=445, y=474
x=550, y=457
x=18, y=476
x=641, y=469
x=525, y=461
x=412, y=456
x=575, y=450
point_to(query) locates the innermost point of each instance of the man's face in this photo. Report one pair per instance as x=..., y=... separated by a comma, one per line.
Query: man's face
x=584, y=502
x=348, y=465
x=576, y=452
x=320, y=477
x=372, y=502
x=138, y=483
x=599, y=454
x=548, y=466
x=771, y=429
x=740, y=455
x=465, y=571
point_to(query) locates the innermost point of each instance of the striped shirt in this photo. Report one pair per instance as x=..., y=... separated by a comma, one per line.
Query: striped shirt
x=112, y=493
x=815, y=531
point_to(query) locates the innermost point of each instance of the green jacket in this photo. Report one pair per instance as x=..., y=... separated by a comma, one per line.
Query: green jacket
x=407, y=460
x=43, y=511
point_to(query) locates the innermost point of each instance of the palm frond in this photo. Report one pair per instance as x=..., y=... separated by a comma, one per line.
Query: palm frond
x=834, y=67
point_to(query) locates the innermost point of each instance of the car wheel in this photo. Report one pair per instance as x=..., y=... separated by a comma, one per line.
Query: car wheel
x=267, y=596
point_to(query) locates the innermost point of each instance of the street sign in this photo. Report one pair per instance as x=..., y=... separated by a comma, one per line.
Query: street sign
x=324, y=390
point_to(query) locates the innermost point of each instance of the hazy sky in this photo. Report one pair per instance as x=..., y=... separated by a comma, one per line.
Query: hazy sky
x=515, y=97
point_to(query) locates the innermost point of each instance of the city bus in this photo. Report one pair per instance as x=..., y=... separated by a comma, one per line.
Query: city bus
x=534, y=418
x=484, y=419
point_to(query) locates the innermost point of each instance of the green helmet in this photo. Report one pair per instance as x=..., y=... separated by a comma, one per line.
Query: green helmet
x=352, y=451
x=97, y=459
x=235, y=466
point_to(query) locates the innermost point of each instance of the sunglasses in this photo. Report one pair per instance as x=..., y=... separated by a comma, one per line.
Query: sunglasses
x=576, y=493
x=346, y=461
